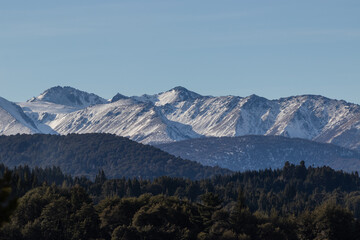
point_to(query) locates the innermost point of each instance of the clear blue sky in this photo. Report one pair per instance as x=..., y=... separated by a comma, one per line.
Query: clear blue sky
x=269, y=48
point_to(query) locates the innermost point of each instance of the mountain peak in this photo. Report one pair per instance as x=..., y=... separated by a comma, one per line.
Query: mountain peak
x=179, y=89
x=68, y=96
x=118, y=97
x=176, y=94
x=256, y=98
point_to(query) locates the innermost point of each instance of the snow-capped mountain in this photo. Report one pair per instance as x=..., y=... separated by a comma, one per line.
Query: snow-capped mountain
x=68, y=96
x=180, y=114
x=142, y=122
x=55, y=102
x=259, y=152
x=42, y=113
x=13, y=120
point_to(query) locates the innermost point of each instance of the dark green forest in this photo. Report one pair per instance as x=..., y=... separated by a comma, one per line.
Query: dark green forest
x=295, y=202
x=85, y=154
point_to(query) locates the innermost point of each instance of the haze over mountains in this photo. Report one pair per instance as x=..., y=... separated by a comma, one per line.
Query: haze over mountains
x=180, y=114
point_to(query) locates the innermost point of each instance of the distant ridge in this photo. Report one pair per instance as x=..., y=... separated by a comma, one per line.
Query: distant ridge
x=261, y=152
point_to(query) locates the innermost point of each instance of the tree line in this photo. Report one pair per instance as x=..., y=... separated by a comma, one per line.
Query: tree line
x=295, y=202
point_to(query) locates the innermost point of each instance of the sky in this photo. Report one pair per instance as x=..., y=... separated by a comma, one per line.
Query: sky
x=232, y=47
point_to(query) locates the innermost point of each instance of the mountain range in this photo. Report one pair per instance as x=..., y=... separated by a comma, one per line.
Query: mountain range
x=180, y=114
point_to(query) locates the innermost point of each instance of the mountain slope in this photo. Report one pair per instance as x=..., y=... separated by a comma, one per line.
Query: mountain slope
x=86, y=154
x=260, y=152
x=142, y=122
x=309, y=117
x=13, y=120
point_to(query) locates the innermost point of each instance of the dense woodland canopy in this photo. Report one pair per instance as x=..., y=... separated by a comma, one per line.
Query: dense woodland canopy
x=294, y=202
x=85, y=154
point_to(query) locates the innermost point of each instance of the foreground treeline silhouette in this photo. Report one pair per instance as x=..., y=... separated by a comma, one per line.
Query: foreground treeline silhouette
x=294, y=202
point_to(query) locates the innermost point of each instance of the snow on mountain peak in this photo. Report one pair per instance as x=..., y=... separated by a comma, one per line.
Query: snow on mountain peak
x=177, y=94
x=69, y=96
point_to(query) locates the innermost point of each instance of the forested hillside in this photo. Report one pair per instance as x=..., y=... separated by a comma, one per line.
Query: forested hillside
x=86, y=154
x=254, y=152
